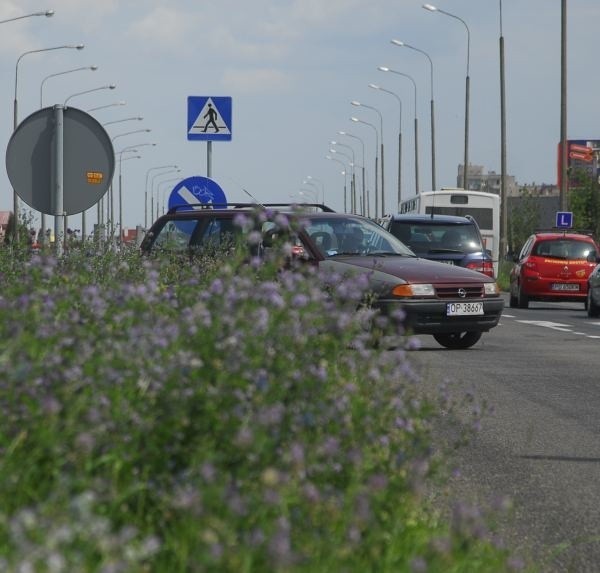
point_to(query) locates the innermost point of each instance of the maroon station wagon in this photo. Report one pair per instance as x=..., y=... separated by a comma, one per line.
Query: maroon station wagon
x=455, y=305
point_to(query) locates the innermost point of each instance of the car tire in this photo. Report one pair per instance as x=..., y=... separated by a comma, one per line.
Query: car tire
x=513, y=301
x=522, y=299
x=457, y=340
x=593, y=310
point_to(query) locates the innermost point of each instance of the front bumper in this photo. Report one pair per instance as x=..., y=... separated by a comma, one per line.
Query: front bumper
x=430, y=316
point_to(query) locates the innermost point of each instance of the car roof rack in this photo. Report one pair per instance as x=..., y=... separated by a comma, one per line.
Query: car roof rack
x=202, y=206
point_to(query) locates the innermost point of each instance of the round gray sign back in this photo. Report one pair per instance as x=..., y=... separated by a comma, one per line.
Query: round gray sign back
x=88, y=160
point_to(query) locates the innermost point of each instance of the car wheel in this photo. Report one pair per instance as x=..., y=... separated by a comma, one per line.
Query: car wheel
x=593, y=310
x=522, y=299
x=457, y=340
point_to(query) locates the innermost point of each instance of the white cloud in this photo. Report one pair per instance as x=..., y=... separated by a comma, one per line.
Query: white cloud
x=165, y=28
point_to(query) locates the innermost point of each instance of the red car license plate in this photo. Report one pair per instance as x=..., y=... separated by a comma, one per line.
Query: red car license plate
x=565, y=286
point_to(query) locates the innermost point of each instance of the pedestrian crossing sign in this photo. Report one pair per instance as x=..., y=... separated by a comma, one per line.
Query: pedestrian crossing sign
x=209, y=118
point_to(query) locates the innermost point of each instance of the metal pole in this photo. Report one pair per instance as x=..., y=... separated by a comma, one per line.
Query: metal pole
x=503, y=190
x=564, y=184
x=208, y=159
x=59, y=219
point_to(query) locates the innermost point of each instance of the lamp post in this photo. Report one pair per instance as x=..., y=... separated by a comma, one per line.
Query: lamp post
x=47, y=13
x=351, y=164
x=152, y=189
x=357, y=120
x=146, y=190
x=111, y=199
x=364, y=188
x=92, y=68
x=432, y=8
x=503, y=190
x=321, y=184
x=308, y=182
x=16, y=107
x=107, y=87
x=377, y=87
x=126, y=149
x=135, y=118
x=345, y=174
x=122, y=102
x=386, y=69
x=403, y=44
x=353, y=179
x=159, y=190
x=359, y=104
x=564, y=183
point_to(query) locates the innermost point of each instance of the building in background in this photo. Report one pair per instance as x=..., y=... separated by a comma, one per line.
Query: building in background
x=478, y=180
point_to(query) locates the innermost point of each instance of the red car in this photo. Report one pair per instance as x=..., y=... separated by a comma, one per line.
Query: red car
x=553, y=266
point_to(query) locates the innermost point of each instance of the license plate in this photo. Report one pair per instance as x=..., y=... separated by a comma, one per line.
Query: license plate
x=564, y=286
x=464, y=308
x=450, y=262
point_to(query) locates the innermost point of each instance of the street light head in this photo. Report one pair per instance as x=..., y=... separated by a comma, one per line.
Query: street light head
x=80, y=46
x=430, y=7
x=398, y=43
x=342, y=132
x=383, y=68
x=93, y=68
x=328, y=157
x=112, y=86
x=332, y=151
x=354, y=119
x=49, y=13
x=333, y=142
x=354, y=102
x=374, y=86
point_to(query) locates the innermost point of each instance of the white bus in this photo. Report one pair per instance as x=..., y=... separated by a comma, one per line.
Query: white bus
x=483, y=207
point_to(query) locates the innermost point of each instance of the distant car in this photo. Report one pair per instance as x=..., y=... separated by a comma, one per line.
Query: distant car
x=444, y=238
x=593, y=294
x=453, y=304
x=553, y=266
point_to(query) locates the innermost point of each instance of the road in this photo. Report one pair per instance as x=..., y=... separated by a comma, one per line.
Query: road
x=540, y=370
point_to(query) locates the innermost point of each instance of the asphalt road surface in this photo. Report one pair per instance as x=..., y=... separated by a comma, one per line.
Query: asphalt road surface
x=540, y=370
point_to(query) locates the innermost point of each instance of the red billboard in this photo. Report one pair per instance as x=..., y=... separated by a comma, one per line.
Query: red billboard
x=582, y=160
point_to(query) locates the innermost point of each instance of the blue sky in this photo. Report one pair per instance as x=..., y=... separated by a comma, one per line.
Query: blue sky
x=292, y=68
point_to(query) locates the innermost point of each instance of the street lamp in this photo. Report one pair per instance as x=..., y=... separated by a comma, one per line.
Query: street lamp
x=321, y=184
x=359, y=104
x=364, y=188
x=378, y=87
x=353, y=179
x=152, y=189
x=146, y=190
x=345, y=174
x=503, y=201
x=93, y=68
x=135, y=118
x=107, y=87
x=47, y=13
x=159, y=190
x=357, y=120
x=432, y=8
x=122, y=102
x=16, y=105
x=386, y=69
x=308, y=182
x=403, y=44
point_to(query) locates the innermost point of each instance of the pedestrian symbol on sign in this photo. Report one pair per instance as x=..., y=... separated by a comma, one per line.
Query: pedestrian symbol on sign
x=212, y=116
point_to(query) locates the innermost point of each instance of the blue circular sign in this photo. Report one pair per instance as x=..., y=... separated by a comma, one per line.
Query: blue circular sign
x=195, y=191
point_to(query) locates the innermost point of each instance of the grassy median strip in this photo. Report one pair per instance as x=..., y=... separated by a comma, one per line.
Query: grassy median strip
x=209, y=415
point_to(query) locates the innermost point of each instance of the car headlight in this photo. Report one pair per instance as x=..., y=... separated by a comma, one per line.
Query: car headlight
x=491, y=289
x=416, y=290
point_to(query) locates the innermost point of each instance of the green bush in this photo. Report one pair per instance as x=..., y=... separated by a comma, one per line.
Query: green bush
x=210, y=415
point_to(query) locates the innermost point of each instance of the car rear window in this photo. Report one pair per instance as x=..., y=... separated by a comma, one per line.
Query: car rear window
x=568, y=249
x=424, y=238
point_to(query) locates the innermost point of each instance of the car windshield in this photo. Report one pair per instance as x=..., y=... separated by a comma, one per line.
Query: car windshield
x=337, y=236
x=424, y=238
x=569, y=249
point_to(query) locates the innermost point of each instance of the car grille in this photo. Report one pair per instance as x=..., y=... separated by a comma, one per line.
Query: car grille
x=452, y=291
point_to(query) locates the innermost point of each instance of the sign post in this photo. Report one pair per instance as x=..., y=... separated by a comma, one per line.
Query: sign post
x=209, y=119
